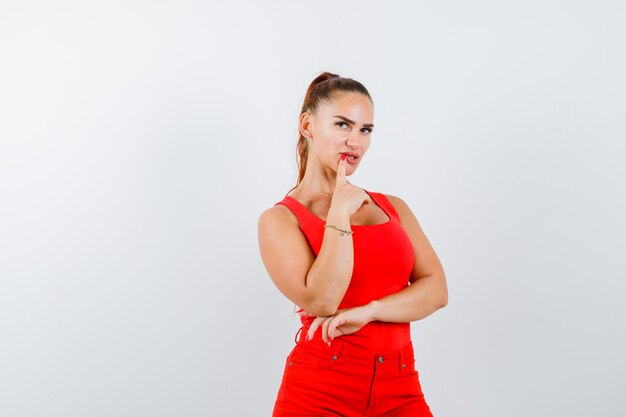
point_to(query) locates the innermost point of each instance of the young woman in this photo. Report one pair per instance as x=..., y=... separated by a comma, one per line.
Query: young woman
x=358, y=265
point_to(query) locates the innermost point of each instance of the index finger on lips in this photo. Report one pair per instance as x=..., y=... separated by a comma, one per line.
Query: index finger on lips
x=341, y=170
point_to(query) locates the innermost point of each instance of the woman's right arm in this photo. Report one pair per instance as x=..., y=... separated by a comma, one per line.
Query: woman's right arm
x=315, y=284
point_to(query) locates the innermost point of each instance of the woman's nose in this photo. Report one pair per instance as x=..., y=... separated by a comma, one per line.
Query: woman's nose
x=352, y=141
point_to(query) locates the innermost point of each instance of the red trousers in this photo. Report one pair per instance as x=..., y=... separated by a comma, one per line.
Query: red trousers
x=343, y=380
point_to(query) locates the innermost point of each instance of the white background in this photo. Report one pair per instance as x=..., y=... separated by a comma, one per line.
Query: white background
x=140, y=141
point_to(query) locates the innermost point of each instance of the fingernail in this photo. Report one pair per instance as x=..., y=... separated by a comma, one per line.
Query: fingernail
x=343, y=156
x=307, y=337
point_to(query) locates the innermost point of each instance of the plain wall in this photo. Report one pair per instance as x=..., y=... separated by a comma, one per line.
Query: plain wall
x=140, y=141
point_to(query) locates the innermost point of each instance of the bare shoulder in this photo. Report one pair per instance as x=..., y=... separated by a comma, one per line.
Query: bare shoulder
x=403, y=209
x=278, y=229
x=277, y=215
x=395, y=200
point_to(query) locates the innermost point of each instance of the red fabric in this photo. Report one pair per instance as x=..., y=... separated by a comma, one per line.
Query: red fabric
x=347, y=378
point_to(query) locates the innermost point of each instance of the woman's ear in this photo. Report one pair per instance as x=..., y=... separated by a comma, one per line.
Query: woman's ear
x=305, y=124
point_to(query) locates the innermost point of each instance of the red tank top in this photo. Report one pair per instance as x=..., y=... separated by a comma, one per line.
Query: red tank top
x=383, y=261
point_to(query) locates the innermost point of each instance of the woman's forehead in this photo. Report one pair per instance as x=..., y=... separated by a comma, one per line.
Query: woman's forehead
x=352, y=105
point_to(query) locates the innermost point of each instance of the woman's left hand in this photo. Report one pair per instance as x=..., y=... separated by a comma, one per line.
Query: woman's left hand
x=344, y=321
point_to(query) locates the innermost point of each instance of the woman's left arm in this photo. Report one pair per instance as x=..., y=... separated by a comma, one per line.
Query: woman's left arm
x=427, y=293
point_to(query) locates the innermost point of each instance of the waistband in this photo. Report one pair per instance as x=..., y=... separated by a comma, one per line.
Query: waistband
x=340, y=350
x=374, y=336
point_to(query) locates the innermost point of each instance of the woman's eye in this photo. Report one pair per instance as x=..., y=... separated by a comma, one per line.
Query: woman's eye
x=365, y=129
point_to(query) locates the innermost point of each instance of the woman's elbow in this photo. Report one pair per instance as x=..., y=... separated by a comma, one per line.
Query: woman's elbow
x=443, y=299
x=443, y=295
x=442, y=290
x=321, y=307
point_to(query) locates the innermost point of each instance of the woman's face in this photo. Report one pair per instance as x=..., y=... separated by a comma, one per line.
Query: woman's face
x=342, y=126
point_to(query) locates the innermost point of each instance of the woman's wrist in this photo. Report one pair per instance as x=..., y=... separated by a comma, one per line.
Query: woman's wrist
x=338, y=218
x=373, y=308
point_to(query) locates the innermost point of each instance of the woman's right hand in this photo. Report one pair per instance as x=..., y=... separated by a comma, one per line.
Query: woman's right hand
x=347, y=197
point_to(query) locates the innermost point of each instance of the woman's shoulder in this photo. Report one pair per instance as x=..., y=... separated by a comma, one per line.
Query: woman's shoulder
x=279, y=214
x=397, y=203
x=394, y=199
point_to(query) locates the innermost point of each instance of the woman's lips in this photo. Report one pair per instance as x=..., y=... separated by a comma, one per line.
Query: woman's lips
x=351, y=159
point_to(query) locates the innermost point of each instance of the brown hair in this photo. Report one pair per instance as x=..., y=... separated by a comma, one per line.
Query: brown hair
x=322, y=89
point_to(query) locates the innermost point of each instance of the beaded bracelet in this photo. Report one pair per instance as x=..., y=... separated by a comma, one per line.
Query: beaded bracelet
x=343, y=232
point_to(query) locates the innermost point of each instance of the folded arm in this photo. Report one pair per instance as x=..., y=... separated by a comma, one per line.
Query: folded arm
x=426, y=293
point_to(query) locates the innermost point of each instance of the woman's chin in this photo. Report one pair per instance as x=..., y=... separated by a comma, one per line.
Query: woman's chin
x=351, y=168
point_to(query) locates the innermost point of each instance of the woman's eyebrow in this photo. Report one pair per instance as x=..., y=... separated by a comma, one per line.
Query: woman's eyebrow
x=345, y=119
